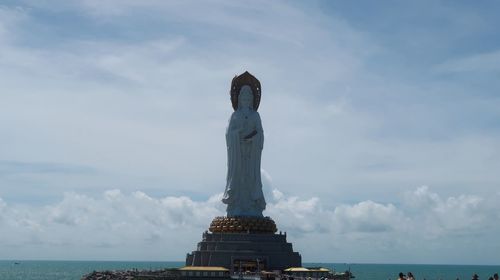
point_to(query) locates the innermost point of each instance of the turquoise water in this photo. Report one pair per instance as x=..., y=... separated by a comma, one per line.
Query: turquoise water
x=428, y=272
x=66, y=270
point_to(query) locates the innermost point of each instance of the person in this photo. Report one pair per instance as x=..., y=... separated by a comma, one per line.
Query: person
x=410, y=276
x=475, y=277
x=495, y=276
x=401, y=276
x=245, y=140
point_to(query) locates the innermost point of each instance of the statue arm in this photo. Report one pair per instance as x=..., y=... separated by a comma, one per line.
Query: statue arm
x=233, y=160
x=231, y=129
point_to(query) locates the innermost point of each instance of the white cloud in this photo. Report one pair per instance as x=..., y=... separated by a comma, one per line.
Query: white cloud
x=166, y=228
x=277, y=195
x=454, y=215
x=295, y=215
x=116, y=221
x=367, y=217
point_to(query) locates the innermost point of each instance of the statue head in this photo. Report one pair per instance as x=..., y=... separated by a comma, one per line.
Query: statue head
x=245, y=98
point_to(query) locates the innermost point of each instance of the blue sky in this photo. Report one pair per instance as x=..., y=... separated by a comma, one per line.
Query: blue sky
x=381, y=121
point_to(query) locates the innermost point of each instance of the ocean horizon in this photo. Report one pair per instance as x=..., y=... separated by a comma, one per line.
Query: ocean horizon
x=74, y=269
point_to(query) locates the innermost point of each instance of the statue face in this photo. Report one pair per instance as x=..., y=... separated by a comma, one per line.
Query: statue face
x=245, y=98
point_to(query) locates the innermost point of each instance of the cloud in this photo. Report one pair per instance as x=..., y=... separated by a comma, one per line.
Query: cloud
x=144, y=100
x=171, y=226
x=138, y=91
x=482, y=63
x=454, y=215
x=9, y=19
x=295, y=215
x=2, y=206
x=367, y=217
x=14, y=167
x=111, y=221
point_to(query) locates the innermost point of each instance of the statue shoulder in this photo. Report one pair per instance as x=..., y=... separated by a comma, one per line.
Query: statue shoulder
x=234, y=115
x=256, y=115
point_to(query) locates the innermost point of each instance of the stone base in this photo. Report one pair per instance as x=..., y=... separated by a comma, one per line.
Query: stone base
x=244, y=251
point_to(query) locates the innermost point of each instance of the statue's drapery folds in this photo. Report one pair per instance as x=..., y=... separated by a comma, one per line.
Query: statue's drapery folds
x=243, y=194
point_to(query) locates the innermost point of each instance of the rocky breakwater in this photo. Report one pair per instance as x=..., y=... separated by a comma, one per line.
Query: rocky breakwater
x=165, y=274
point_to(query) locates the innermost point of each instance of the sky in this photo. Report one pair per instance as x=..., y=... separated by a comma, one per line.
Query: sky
x=381, y=120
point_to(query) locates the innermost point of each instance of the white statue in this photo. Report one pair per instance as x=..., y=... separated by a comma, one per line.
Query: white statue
x=245, y=140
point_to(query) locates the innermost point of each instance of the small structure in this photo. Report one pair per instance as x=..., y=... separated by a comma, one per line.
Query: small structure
x=313, y=272
x=204, y=272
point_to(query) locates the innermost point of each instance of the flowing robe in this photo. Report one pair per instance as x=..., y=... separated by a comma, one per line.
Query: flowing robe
x=243, y=194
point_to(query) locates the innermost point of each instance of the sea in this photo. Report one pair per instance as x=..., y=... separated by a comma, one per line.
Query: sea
x=74, y=270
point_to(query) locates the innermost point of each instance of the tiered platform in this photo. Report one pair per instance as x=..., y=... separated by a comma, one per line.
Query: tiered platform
x=244, y=243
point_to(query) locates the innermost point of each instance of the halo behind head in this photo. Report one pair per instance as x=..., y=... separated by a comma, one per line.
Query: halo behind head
x=241, y=80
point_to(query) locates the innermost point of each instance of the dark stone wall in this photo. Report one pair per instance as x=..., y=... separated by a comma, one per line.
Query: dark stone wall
x=223, y=249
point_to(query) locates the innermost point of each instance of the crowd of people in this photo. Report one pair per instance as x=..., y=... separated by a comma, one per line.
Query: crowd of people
x=494, y=277
x=402, y=276
x=410, y=276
